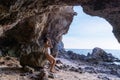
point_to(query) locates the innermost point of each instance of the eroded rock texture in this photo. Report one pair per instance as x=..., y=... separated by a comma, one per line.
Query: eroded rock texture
x=24, y=24
x=26, y=37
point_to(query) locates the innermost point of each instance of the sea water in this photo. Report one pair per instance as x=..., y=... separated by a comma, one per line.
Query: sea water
x=115, y=53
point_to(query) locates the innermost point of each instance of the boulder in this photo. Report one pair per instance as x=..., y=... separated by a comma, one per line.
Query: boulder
x=79, y=69
x=103, y=77
x=99, y=55
x=75, y=56
x=90, y=70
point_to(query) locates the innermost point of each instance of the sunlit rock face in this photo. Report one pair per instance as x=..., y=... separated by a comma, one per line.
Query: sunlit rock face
x=24, y=24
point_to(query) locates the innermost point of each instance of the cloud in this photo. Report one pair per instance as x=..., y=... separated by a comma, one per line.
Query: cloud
x=78, y=43
x=89, y=32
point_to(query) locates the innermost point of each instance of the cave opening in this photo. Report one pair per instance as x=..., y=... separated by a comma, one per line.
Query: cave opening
x=87, y=32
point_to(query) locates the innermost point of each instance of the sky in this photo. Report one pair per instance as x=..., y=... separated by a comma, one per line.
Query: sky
x=87, y=32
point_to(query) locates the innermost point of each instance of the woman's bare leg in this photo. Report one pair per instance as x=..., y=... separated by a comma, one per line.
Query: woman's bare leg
x=53, y=65
x=52, y=62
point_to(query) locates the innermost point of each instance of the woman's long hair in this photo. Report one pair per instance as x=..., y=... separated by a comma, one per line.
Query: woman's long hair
x=45, y=39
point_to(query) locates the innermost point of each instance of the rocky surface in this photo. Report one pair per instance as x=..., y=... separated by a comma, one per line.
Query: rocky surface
x=66, y=69
x=98, y=61
x=99, y=55
x=26, y=37
x=24, y=24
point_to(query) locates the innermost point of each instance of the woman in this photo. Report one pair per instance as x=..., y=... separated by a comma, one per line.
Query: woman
x=50, y=58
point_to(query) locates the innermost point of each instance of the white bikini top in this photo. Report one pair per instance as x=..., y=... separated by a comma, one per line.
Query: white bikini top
x=48, y=50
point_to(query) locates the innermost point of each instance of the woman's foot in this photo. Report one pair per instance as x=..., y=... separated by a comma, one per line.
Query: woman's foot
x=53, y=71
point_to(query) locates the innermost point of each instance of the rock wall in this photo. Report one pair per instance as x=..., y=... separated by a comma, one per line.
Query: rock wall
x=26, y=37
x=24, y=23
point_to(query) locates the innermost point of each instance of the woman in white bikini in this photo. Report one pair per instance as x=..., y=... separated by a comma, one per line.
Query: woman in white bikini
x=50, y=58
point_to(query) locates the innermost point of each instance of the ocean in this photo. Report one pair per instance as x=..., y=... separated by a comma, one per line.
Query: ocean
x=114, y=52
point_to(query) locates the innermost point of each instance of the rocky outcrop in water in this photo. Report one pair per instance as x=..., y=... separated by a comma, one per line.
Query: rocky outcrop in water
x=99, y=54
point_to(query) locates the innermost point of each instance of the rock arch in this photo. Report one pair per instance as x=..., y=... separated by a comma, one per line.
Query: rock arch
x=27, y=22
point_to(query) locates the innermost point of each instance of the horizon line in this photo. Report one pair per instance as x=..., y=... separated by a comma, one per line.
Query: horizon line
x=92, y=48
